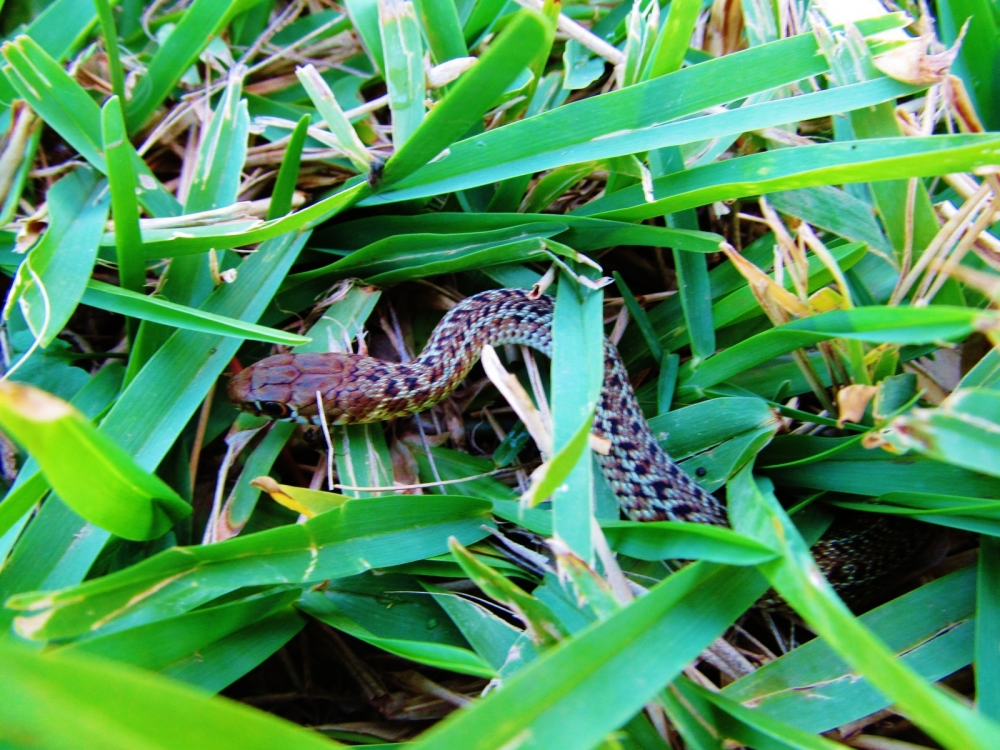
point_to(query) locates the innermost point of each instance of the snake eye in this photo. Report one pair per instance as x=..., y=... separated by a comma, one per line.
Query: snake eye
x=275, y=410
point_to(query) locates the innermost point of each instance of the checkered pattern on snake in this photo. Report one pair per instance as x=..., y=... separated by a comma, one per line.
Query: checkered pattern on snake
x=648, y=484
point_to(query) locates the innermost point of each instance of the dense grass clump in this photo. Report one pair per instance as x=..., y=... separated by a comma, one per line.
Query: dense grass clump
x=782, y=213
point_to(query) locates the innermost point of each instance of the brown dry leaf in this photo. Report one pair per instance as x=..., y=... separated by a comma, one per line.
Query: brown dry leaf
x=913, y=63
x=873, y=440
x=953, y=89
x=765, y=289
x=724, y=31
x=795, y=258
x=852, y=400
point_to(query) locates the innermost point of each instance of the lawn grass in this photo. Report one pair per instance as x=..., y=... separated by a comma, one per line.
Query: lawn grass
x=782, y=216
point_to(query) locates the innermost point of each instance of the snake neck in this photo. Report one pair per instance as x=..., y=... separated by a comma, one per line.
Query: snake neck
x=503, y=316
x=494, y=318
x=648, y=484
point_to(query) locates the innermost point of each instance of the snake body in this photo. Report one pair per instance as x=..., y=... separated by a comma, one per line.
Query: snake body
x=648, y=484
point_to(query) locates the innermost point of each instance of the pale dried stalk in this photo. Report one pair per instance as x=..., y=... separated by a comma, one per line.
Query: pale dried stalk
x=985, y=242
x=515, y=395
x=199, y=435
x=535, y=378
x=616, y=579
x=946, y=235
x=966, y=186
x=794, y=257
x=826, y=258
x=968, y=240
x=13, y=152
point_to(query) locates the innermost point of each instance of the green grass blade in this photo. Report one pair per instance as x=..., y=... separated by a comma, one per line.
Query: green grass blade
x=744, y=725
x=52, y=278
x=439, y=20
x=56, y=97
x=163, y=645
x=69, y=110
x=639, y=117
x=288, y=173
x=961, y=432
x=105, y=704
x=202, y=21
x=119, y=496
x=159, y=310
x=405, y=257
x=578, y=358
x=361, y=534
x=590, y=685
x=834, y=210
x=638, y=316
x=471, y=95
x=222, y=151
x=440, y=655
x=988, y=629
x=673, y=39
x=195, y=240
x=333, y=115
x=807, y=166
x=979, y=58
x=581, y=234
x=110, y=33
x=930, y=629
x=63, y=26
x=755, y=511
x=695, y=291
x=874, y=324
x=403, y=67
x=124, y=206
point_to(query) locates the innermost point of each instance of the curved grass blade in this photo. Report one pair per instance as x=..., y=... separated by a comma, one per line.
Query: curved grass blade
x=404, y=257
x=741, y=724
x=582, y=234
x=471, y=95
x=118, y=495
x=930, y=629
x=49, y=283
x=806, y=166
x=901, y=325
x=108, y=705
x=441, y=655
x=360, y=535
x=797, y=579
x=585, y=687
x=160, y=310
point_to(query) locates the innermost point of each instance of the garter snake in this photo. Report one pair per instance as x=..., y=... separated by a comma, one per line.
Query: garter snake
x=857, y=550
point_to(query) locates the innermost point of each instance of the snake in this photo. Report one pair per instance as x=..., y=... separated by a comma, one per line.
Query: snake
x=857, y=550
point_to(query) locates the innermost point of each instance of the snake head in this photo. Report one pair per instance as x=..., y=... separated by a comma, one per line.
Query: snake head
x=285, y=387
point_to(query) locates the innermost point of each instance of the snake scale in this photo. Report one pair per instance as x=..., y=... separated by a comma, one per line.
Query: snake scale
x=857, y=550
